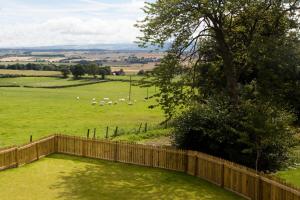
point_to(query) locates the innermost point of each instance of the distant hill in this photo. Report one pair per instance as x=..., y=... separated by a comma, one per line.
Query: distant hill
x=95, y=47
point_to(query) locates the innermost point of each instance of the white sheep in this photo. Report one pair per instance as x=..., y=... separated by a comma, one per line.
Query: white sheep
x=122, y=100
x=94, y=103
x=101, y=103
x=77, y=98
x=106, y=99
x=94, y=99
x=130, y=103
x=109, y=103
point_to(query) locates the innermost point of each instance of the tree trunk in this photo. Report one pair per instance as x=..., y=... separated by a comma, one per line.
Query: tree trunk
x=257, y=159
x=231, y=80
x=229, y=70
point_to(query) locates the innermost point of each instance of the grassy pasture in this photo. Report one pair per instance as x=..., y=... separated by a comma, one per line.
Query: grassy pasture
x=40, y=112
x=292, y=176
x=60, y=177
x=30, y=72
x=42, y=81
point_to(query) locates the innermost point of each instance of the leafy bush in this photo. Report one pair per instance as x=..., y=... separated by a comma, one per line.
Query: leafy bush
x=255, y=134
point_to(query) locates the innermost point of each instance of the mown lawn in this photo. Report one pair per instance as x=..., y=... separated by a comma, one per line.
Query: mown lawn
x=40, y=112
x=60, y=177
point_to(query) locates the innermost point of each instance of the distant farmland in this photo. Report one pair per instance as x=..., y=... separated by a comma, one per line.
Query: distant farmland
x=29, y=72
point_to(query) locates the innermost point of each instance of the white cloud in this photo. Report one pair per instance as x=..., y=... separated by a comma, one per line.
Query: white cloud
x=68, y=31
x=83, y=22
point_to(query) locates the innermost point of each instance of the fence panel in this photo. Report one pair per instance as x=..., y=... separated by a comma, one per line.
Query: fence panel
x=27, y=153
x=236, y=178
x=8, y=158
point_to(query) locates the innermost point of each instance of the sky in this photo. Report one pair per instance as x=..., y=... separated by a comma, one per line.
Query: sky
x=32, y=23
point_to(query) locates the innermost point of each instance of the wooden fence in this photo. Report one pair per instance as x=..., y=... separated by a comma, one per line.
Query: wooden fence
x=236, y=178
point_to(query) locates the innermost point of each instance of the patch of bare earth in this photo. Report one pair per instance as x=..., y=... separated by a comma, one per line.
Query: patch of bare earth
x=161, y=141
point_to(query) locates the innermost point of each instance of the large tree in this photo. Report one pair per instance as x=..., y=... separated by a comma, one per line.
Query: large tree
x=224, y=33
x=234, y=66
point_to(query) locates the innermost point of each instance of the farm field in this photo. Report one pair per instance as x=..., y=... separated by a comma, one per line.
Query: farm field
x=43, y=81
x=30, y=72
x=60, y=177
x=40, y=112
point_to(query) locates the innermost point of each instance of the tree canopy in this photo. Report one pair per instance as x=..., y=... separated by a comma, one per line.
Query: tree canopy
x=233, y=72
x=231, y=34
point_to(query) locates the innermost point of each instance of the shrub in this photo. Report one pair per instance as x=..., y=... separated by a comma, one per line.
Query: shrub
x=141, y=72
x=255, y=134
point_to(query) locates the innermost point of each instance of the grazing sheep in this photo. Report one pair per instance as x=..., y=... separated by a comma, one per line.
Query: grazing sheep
x=130, y=103
x=94, y=99
x=106, y=99
x=109, y=103
x=77, y=98
x=101, y=103
x=94, y=103
x=122, y=100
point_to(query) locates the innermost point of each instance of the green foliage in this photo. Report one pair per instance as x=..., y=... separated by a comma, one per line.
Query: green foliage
x=234, y=38
x=256, y=134
x=103, y=71
x=77, y=71
x=171, y=91
x=234, y=66
x=65, y=72
x=92, y=69
x=141, y=72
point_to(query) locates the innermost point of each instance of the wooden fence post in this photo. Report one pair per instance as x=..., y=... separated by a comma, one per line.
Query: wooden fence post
x=116, y=131
x=94, y=137
x=222, y=175
x=17, y=157
x=116, y=152
x=88, y=133
x=186, y=162
x=258, y=195
x=106, y=135
x=146, y=127
x=196, y=165
x=151, y=157
x=83, y=146
x=140, y=128
x=56, y=141
x=37, y=150
x=30, y=140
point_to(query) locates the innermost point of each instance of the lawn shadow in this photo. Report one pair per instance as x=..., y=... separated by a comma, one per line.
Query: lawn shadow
x=109, y=180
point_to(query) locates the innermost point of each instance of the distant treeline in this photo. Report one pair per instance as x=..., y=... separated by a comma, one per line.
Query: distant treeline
x=33, y=66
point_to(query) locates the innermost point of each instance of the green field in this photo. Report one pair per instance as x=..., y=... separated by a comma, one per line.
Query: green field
x=43, y=81
x=292, y=176
x=60, y=177
x=40, y=112
x=29, y=72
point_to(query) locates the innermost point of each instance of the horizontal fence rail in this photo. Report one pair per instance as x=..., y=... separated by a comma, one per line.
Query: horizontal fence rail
x=233, y=177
